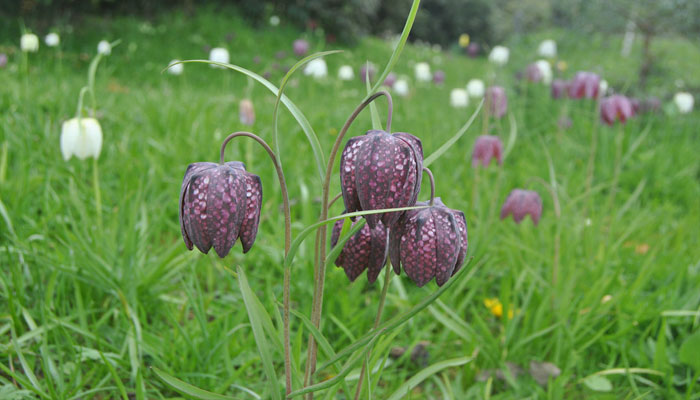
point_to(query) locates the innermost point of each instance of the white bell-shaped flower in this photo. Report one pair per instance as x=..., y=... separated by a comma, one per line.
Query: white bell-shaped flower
x=81, y=137
x=545, y=70
x=422, y=71
x=104, y=48
x=476, y=88
x=547, y=49
x=316, y=68
x=346, y=73
x=52, y=39
x=274, y=20
x=401, y=87
x=176, y=69
x=602, y=88
x=29, y=42
x=684, y=101
x=459, y=98
x=218, y=54
x=499, y=55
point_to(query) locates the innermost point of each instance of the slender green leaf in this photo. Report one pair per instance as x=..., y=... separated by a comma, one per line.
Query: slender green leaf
x=187, y=389
x=115, y=376
x=416, y=379
x=598, y=383
x=512, y=136
x=376, y=123
x=439, y=152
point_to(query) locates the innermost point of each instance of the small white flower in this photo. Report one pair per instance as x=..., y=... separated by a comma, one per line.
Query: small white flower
x=499, y=55
x=346, y=73
x=588, y=222
x=547, y=49
x=459, y=98
x=422, y=70
x=401, y=87
x=29, y=43
x=684, y=101
x=274, y=20
x=177, y=68
x=52, y=39
x=104, y=48
x=476, y=88
x=545, y=70
x=602, y=87
x=218, y=54
x=81, y=138
x=316, y=68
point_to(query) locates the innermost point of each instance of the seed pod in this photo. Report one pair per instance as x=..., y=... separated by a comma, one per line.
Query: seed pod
x=487, y=147
x=521, y=203
x=366, y=249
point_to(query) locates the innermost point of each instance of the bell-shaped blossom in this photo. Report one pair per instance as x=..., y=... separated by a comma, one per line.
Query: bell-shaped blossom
x=422, y=71
x=496, y=101
x=390, y=80
x=3, y=60
x=366, y=249
x=429, y=243
x=104, y=48
x=603, y=88
x=459, y=98
x=345, y=73
x=532, y=73
x=316, y=68
x=218, y=204
x=381, y=170
x=547, y=49
x=220, y=55
x=274, y=20
x=176, y=69
x=499, y=55
x=401, y=87
x=473, y=49
x=487, y=148
x=545, y=70
x=301, y=47
x=476, y=88
x=439, y=77
x=29, y=43
x=367, y=69
x=584, y=84
x=615, y=107
x=81, y=137
x=463, y=40
x=684, y=102
x=520, y=203
x=246, y=112
x=560, y=88
x=52, y=39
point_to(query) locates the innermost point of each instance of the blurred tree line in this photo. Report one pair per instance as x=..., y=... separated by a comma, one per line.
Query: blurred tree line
x=438, y=21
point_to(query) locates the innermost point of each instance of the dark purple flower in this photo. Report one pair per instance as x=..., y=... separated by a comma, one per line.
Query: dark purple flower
x=429, y=242
x=497, y=101
x=560, y=88
x=218, y=204
x=301, y=47
x=533, y=73
x=381, y=170
x=473, y=49
x=364, y=250
x=281, y=54
x=367, y=69
x=487, y=147
x=615, y=107
x=521, y=203
x=439, y=77
x=584, y=84
x=390, y=80
x=3, y=60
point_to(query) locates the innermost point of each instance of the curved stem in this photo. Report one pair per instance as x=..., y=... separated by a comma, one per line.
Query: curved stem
x=432, y=184
x=319, y=271
x=287, y=244
x=81, y=96
x=337, y=196
x=390, y=110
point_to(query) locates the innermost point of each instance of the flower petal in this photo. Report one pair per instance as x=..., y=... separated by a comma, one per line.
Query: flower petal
x=447, y=241
x=419, y=247
x=378, y=252
x=226, y=207
x=249, y=227
x=348, y=163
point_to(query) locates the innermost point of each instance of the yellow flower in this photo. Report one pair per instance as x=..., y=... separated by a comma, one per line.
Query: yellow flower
x=494, y=305
x=464, y=40
x=562, y=65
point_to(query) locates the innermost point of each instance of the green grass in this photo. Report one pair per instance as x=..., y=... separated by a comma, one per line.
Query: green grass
x=85, y=311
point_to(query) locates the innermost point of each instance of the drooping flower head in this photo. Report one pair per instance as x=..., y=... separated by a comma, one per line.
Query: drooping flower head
x=584, y=85
x=381, y=170
x=218, y=204
x=459, y=98
x=176, y=69
x=366, y=249
x=390, y=80
x=497, y=101
x=560, y=88
x=520, y=203
x=476, y=88
x=684, y=102
x=533, y=73
x=316, y=68
x=104, y=48
x=219, y=54
x=29, y=43
x=547, y=49
x=615, y=107
x=52, y=39
x=487, y=148
x=367, y=69
x=499, y=55
x=429, y=242
x=246, y=112
x=540, y=71
x=81, y=137
x=422, y=72
x=401, y=87
x=301, y=47
x=345, y=73
x=473, y=49
x=3, y=60
x=439, y=77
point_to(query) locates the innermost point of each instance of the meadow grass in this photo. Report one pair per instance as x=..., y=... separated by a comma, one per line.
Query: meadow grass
x=86, y=310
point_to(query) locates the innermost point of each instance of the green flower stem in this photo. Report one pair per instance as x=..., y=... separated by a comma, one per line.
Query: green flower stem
x=591, y=162
x=388, y=274
x=432, y=184
x=319, y=271
x=287, y=245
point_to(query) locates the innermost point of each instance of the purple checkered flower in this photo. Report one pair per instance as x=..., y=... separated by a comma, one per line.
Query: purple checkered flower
x=439, y=77
x=584, y=84
x=381, y=170
x=218, y=204
x=486, y=148
x=497, y=101
x=616, y=107
x=301, y=47
x=429, y=242
x=366, y=249
x=521, y=203
x=560, y=88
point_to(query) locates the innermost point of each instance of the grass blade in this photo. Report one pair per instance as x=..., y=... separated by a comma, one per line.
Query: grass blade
x=113, y=372
x=187, y=389
x=416, y=379
x=439, y=152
